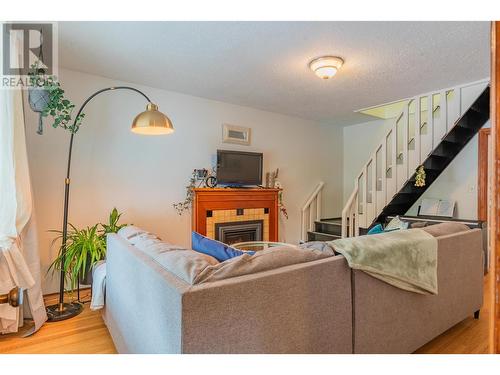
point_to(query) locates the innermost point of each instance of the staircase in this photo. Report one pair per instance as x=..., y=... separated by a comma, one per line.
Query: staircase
x=326, y=230
x=430, y=131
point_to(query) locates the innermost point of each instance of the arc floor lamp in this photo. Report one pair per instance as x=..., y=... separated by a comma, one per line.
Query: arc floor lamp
x=149, y=122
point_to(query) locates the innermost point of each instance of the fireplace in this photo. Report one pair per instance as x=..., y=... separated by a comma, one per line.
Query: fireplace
x=247, y=214
x=239, y=231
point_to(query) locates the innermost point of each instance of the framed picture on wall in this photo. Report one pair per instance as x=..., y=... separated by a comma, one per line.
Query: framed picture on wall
x=235, y=134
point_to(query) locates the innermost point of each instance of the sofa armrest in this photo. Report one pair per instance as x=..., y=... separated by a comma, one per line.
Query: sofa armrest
x=143, y=301
x=391, y=320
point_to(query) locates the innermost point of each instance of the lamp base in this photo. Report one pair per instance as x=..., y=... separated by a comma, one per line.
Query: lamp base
x=63, y=311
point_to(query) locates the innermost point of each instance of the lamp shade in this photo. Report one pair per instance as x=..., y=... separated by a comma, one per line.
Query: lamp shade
x=152, y=122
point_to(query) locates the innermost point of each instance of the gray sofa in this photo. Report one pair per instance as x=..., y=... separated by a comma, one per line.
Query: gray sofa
x=390, y=320
x=314, y=307
x=303, y=308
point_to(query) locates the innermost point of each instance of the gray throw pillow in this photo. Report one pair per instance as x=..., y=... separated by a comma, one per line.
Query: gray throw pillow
x=419, y=224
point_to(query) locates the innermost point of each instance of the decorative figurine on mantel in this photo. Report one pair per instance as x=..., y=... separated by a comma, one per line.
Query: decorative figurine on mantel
x=272, y=182
x=271, y=178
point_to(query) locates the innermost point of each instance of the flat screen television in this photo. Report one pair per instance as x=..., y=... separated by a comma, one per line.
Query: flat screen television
x=239, y=168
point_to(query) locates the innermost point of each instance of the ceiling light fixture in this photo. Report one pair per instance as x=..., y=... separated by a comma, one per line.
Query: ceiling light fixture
x=326, y=67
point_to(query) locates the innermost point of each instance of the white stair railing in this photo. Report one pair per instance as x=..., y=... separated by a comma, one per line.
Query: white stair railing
x=424, y=121
x=311, y=211
x=348, y=215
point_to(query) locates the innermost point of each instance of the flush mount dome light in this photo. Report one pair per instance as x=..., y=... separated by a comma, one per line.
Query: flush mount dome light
x=326, y=67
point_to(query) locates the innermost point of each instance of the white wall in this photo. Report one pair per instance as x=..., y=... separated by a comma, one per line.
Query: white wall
x=360, y=141
x=142, y=176
x=458, y=182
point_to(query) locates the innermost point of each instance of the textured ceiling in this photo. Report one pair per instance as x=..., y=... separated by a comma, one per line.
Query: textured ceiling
x=264, y=64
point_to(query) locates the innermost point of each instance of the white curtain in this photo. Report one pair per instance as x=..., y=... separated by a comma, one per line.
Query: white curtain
x=19, y=258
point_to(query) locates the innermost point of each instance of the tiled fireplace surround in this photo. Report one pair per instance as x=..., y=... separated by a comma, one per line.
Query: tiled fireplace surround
x=236, y=206
x=238, y=216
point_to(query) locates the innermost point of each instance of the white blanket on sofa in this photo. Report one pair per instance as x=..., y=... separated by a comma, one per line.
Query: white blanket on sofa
x=98, y=285
x=406, y=259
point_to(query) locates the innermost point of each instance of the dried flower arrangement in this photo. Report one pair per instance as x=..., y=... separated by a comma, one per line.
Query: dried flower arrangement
x=420, y=177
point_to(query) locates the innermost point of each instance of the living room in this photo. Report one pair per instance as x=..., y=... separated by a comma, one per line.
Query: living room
x=274, y=152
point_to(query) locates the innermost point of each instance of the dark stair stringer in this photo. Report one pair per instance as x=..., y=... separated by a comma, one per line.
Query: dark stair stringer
x=451, y=144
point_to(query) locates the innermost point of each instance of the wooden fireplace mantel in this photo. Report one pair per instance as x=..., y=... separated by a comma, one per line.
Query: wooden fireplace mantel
x=212, y=199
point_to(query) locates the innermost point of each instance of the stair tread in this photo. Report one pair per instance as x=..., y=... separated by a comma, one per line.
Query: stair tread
x=339, y=222
x=323, y=236
x=332, y=220
x=328, y=234
x=448, y=147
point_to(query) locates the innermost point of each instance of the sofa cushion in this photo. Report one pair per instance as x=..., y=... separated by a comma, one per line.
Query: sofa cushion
x=264, y=260
x=442, y=229
x=418, y=224
x=184, y=263
x=214, y=248
x=395, y=224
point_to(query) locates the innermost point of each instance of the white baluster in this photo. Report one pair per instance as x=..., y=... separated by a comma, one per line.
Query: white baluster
x=319, y=199
x=430, y=122
x=311, y=218
x=444, y=113
x=402, y=167
x=417, y=131
x=384, y=178
x=355, y=210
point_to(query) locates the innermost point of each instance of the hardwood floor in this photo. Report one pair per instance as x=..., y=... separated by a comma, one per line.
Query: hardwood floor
x=87, y=334
x=83, y=334
x=470, y=336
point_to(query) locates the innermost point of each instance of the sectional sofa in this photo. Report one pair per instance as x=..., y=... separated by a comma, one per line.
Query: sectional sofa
x=318, y=306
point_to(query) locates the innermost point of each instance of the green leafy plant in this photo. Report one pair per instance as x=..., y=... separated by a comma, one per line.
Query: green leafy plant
x=59, y=107
x=185, y=205
x=112, y=226
x=84, y=247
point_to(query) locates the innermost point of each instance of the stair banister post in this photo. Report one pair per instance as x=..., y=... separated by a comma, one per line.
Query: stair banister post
x=394, y=177
x=356, y=224
x=311, y=218
x=417, y=130
x=302, y=227
x=444, y=112
x=406, y=132
x=308, y=223
x=384, y=173
x=374, y=186
x=319, y=199
x=430, y=121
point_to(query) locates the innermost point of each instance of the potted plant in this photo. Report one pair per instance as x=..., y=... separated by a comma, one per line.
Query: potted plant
x=84, y=247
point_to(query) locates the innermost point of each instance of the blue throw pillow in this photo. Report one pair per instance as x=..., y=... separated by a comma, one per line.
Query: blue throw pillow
x=376, y=229
x=216, y=249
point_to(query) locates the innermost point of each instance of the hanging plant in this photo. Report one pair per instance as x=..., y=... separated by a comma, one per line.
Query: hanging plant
x=185, y=205
x=206, y=178
x=47, y=98
x=281, y=205
x=420, y=177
